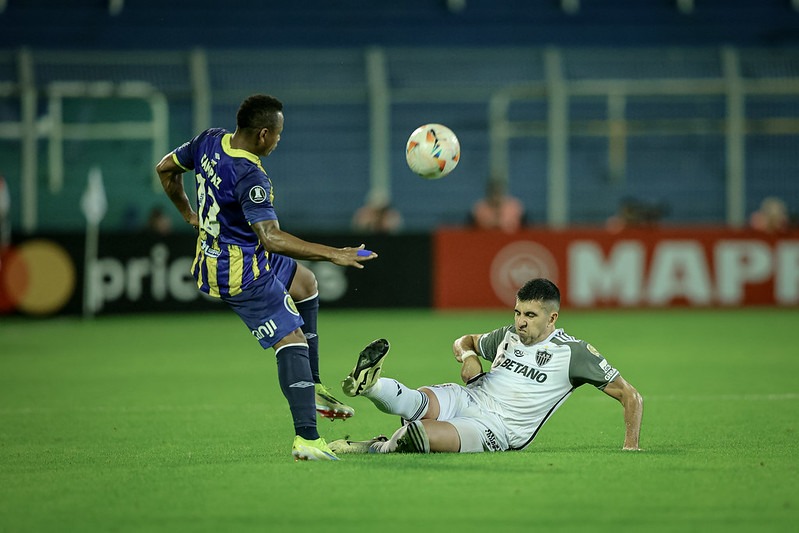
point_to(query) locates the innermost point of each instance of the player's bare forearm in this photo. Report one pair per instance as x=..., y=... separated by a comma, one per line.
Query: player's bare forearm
x=273, y=239
x=470, y=368
x=633, y=404
x=171, y=176
x=466, y=351
x=633, y=414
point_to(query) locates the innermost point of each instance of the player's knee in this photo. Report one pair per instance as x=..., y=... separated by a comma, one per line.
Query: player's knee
x=433, y=408
x=295, y=337
x=304, y=284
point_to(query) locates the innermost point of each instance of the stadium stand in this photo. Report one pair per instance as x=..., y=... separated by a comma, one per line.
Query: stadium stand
x=333, y=63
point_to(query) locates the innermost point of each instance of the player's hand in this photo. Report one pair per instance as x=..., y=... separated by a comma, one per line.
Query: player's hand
x=193, y=220
x=354, y=256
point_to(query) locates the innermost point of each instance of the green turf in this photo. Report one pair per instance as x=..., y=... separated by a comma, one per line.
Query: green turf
x=158, y=423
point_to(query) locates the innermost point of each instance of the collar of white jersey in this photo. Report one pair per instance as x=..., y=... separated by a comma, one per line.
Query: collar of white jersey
x=238, y=152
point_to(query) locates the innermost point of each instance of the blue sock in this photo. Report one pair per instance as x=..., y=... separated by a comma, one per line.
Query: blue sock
x=309, y=311
x=294, y=375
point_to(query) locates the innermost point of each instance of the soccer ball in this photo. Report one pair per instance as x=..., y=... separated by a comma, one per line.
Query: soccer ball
x=432, y=151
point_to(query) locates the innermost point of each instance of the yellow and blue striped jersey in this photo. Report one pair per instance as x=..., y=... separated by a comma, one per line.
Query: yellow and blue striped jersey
x=233, y=192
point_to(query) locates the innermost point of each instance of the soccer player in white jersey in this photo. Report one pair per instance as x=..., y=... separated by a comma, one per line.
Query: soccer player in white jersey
x=534, y=368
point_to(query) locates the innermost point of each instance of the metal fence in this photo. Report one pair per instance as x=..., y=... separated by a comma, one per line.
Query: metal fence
x=709, y=131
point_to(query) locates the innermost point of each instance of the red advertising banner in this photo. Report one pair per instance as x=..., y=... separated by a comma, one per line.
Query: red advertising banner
x=633, y=268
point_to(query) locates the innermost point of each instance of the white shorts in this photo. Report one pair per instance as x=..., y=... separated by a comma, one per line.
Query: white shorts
x=480, y=430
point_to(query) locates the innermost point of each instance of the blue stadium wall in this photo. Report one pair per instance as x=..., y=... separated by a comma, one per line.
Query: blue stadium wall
x=286, y=23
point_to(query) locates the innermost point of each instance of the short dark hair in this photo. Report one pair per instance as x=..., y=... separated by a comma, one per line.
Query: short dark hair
x=540, y=289
x=259, y=111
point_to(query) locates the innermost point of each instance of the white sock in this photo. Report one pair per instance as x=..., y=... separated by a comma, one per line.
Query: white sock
x=407, y=439
x=394, y=398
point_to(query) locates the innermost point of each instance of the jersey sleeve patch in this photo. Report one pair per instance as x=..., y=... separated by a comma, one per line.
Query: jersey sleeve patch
x=593, y=350
x=589, y=366
x=254, y=194
x=257, y=194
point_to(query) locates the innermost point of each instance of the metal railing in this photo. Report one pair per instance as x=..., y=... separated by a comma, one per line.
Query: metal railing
x=558, y=127
x=379, y=88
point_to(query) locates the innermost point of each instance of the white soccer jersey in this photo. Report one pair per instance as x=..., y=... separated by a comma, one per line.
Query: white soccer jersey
x=526, y=384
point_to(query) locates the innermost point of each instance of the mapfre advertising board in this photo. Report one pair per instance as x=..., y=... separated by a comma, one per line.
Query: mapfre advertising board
x=633, y=268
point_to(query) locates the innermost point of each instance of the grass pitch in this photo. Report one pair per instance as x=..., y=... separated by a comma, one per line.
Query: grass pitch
x=157, y=423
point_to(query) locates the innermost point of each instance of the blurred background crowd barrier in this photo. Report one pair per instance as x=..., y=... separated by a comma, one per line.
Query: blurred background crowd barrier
x=690, y=108
x=710, y=132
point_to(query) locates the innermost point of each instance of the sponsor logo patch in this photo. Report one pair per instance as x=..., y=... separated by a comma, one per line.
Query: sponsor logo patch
x=491, y=441
x=607, y=369
x=526, y=371
x=267, y=329
x=288, y=303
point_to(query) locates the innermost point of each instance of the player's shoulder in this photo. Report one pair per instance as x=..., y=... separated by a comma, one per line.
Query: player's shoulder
x=215, y=132
x=502, y=332
x=489, y=341
x=209, y=135
x=204, y=141
x=560, y=337
x=577, y=346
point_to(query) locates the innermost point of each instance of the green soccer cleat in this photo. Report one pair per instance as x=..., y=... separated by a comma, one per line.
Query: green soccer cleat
x=312, y=450
x=367, y=370
x=328, y=407
x=343, y=446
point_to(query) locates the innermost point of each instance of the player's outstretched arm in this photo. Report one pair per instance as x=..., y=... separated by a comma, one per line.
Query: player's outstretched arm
x=633, y=405
x=273, y=239
x=171, y=176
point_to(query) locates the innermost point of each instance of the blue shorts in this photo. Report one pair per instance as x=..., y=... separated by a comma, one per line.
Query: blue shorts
x=265, y=306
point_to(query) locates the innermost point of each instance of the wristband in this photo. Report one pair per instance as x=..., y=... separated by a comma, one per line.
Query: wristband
x=468, y=353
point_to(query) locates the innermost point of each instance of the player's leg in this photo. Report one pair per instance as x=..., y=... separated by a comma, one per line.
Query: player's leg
x=302, y=285
x=388, y=395
x=433, y=432
x=274, y=322
x=420, y=436
x=463, y=434
x=477, y=429
x=394, y=398
x=294, y=375
x=304, y=291
x=442, y=436
x=452, y=422
x=296, y=382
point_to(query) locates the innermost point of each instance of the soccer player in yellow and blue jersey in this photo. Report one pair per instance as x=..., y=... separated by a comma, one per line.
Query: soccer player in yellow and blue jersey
x=245, y=259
